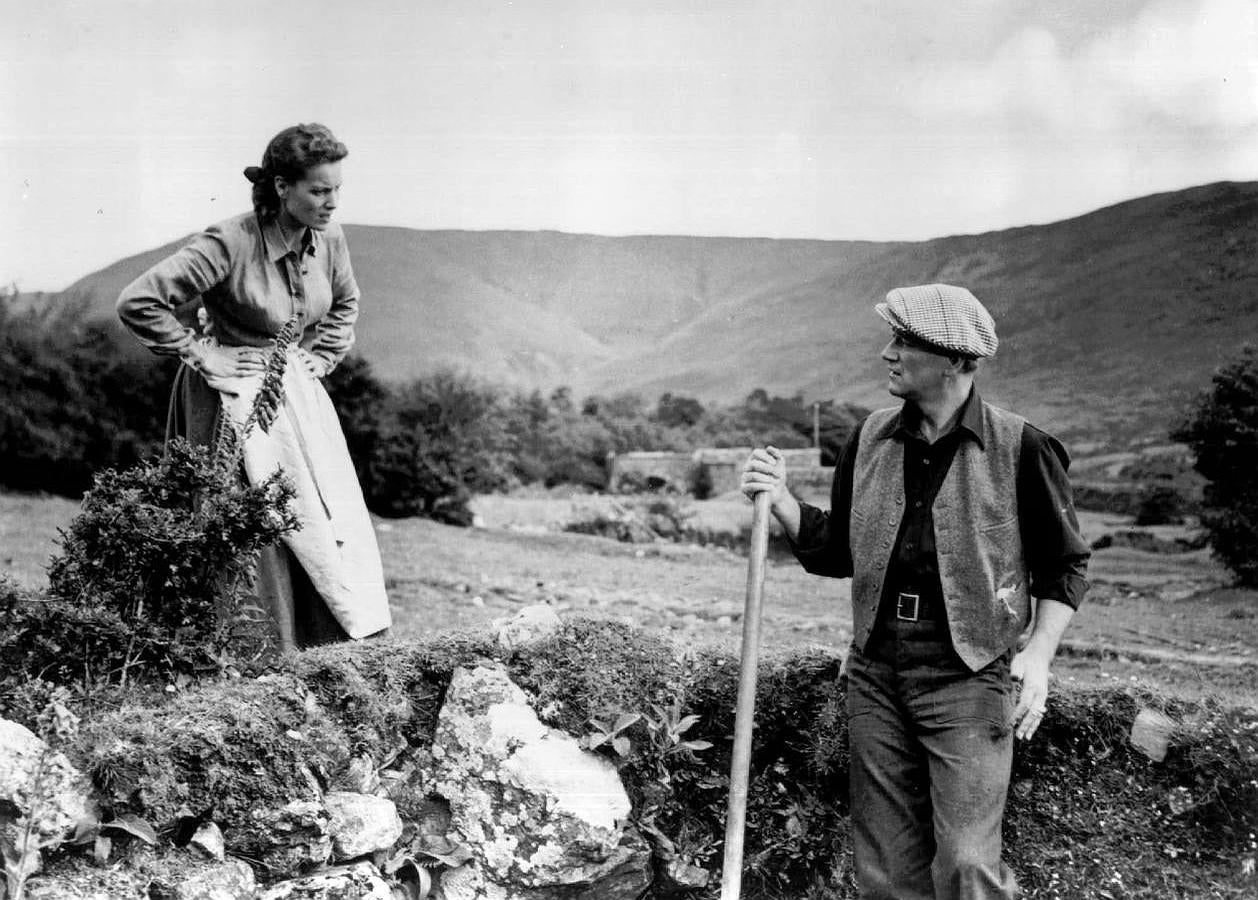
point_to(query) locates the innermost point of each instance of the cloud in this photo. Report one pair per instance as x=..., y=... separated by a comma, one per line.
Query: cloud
x=1196, y=66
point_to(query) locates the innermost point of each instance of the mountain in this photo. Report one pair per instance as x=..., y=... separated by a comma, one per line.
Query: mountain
x=1109, y=322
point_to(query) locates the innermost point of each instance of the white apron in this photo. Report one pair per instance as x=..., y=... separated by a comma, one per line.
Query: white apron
x=336, y=544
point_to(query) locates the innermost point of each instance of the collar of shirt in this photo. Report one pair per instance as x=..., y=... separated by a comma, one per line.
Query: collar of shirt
x=277, y=248
x=907, y=423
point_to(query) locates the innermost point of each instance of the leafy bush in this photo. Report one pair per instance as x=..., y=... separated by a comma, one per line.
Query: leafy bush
x=674, y=410
x=154, y=576
x=76, y=400
x=1222, y=429
x=171, y=540
x=441, y=440
x=1160, y=504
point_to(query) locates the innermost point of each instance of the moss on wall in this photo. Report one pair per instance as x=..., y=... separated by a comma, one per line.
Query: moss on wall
x=1089, y=816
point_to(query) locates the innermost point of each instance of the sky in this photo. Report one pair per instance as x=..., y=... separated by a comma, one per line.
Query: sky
x=125, y=124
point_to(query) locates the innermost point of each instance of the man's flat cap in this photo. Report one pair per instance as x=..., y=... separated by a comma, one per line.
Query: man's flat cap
x=949, y=317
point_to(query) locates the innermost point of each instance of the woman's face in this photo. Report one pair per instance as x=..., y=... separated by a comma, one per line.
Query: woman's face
x=312, y=200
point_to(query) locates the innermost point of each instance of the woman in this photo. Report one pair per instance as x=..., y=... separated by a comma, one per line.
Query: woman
x=254, y=273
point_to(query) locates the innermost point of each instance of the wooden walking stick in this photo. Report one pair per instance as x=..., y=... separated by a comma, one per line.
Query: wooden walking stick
x=744, y=719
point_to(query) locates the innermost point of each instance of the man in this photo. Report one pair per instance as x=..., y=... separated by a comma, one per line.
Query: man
x=948, y=514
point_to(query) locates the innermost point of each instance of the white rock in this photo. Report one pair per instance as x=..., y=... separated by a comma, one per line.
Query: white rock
x=361, y=824
x=232, y=880
x=361, y=881
x=1151, y=733
x=467, y=883
x=535, y=808
x=208, y=839
x=532, y=623
x=41, y=781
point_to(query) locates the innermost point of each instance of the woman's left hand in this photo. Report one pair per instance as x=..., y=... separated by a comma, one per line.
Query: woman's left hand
x=313, y=365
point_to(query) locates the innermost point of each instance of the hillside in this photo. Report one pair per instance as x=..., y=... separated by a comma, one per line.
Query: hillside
x=1109, y=321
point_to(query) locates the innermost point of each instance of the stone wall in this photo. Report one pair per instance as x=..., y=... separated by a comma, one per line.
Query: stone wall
x=497, y=755
x=721, y=466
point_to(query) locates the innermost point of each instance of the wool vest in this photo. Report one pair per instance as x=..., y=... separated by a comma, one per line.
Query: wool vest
x=982, y=570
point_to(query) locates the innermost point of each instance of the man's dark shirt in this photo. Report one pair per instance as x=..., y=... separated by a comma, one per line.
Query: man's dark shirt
x=1055, y=552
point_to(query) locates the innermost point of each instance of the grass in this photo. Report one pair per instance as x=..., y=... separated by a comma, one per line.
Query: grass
x=1165, y=621
x=1089, y=818
x=29, y=525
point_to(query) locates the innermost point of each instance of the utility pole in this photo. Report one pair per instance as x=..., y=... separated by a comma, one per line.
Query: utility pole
x=816, y=424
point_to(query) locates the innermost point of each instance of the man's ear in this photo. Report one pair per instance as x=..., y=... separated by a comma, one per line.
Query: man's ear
x=961, y=365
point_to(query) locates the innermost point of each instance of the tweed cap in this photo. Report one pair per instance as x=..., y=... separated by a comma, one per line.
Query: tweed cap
x=948, y=317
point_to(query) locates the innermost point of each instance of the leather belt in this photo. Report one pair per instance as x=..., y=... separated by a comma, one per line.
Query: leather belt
x=908, y=607
x=917, y=607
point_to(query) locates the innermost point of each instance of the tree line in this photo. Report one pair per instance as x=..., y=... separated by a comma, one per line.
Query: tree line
x=76, y=399
x=79, y=399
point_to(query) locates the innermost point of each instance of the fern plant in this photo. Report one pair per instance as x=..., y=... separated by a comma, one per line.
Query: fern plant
x=25, y=832
x=229, y=440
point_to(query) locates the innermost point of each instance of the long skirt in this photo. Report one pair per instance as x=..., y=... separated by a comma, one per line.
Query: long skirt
x=324, y=582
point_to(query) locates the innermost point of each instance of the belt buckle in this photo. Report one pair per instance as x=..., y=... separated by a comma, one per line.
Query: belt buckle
x=907, y=607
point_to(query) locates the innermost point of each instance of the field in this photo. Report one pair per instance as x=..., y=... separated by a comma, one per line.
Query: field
x=1164, y=619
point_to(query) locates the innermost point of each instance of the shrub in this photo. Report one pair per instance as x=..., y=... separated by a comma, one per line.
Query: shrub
x=170, y=544
x=1222, y=429
x=441, y=440
x=619, y=524
x=154, y=576
x=1160, y=504
x=153, y=580
x=76, y=399
x=678, y=410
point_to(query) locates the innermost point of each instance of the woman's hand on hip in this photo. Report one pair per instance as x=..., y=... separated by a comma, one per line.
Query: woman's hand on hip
x=216, y=362
x=313, y=365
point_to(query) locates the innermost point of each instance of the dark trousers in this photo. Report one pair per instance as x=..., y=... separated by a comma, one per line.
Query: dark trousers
x=931, y=749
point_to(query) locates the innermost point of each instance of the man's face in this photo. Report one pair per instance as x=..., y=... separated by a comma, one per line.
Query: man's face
x=914, y=370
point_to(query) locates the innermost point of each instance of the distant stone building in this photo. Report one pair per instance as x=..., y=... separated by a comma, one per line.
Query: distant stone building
x=709, y=471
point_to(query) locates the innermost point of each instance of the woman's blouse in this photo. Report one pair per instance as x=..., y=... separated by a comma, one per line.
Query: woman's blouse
x=251, y=282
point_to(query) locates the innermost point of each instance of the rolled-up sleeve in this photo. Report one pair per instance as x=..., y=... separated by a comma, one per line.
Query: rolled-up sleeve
x=1056, y=552
x=147, y=305
x=335, y=331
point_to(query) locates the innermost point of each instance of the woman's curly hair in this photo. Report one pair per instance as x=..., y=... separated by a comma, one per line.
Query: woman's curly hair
x=289, y=155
